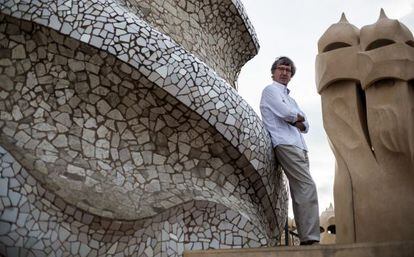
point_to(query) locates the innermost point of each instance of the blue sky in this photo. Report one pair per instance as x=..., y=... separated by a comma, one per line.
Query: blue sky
x=292, y=28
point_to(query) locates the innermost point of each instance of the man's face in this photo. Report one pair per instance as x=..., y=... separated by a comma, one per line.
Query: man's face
x=282, y=74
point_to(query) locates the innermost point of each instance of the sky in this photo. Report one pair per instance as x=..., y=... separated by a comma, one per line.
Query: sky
x=292, y=28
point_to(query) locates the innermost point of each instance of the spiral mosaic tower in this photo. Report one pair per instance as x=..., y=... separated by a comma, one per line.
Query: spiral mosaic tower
x=122, y=134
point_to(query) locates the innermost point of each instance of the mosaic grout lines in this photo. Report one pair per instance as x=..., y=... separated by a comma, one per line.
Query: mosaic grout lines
x=130, y=125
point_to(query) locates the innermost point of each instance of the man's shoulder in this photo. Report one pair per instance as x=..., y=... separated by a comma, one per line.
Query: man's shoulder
x=271, y=89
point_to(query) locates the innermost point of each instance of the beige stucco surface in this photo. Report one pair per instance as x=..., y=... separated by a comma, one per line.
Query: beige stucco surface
x=365, y=78
x=395, y=249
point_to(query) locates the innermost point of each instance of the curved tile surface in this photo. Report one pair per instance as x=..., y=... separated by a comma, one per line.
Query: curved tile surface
x=121, y=121
x=217, y=32
x=36, y=222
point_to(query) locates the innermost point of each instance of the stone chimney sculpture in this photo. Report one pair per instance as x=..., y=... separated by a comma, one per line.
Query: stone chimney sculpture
x=365, y=79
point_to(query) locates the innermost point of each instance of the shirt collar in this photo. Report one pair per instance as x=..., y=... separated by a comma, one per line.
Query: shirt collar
x=281, y=87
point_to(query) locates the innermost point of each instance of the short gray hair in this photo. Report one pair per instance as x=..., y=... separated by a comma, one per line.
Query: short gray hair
x=283, y=60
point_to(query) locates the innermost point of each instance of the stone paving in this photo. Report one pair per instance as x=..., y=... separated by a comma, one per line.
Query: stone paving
x=114, y=122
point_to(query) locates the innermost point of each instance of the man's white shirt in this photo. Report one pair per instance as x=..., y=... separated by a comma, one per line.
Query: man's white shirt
x=279, y=112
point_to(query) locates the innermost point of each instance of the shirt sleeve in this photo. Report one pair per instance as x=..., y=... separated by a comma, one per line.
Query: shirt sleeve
x=273, y=100
x=305, y=123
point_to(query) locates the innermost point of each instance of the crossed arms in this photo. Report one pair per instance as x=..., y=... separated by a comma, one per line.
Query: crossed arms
x=281, y=107
x=300, y=123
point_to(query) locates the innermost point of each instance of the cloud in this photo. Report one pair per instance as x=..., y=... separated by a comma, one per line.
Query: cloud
x=293, y=29
x=397, y=9
x=408, y=19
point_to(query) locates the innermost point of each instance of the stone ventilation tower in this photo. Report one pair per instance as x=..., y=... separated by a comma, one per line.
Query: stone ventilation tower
x=121, y=135
x=365, y=78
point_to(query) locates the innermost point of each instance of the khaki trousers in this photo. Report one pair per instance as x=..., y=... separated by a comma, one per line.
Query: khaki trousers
x=295, y=164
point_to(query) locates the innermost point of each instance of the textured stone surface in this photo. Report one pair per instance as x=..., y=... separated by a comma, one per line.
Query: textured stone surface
x=217, y=32
x=396, y=248
x=49, y=225
x=123, y=123
x=367, y=104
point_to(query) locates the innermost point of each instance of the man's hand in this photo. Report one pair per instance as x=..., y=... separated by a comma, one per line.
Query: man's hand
x=300, y=126
x=300, y=118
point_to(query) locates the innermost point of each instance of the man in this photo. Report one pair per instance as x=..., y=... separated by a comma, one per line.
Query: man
x=285, y=123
